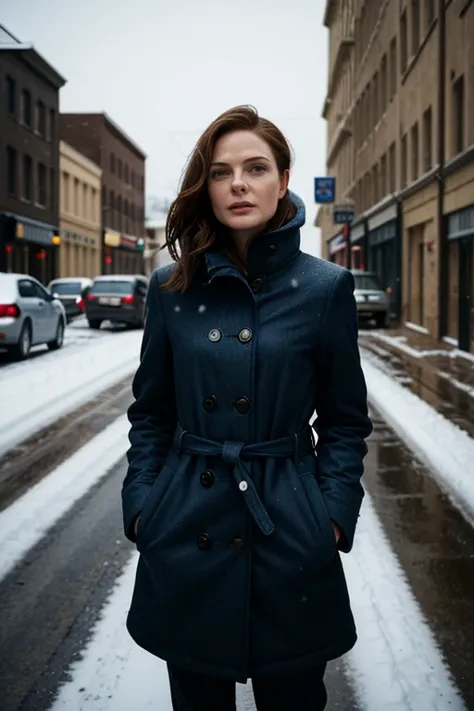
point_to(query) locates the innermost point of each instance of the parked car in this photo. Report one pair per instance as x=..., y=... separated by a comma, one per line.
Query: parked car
x=29, y=315
x=72, y=293
x=372, y=301
x=118, y=297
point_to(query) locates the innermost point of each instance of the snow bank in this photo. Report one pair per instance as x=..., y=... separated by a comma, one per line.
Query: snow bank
x=39, y=391
x=447, y=450
x=29, y=518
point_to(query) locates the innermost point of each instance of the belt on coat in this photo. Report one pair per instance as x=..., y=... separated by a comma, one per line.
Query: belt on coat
x=237, y=454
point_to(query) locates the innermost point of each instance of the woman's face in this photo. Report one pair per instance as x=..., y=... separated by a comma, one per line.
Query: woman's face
x=244, y=183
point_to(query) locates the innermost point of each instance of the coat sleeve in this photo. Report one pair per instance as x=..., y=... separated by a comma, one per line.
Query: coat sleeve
x=152, y=415
x=342, y=421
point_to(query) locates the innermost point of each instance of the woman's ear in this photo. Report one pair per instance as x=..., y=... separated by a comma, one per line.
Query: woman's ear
x=284, y=180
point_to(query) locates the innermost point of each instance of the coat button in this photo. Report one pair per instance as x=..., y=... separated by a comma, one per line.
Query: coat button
x=257, y=284
x=204, y=542
x=242, y=405
x=207, y=478
x=238, y=544
x=209, y=403
x=243, y=486
x=245, y=335
x=214, y=335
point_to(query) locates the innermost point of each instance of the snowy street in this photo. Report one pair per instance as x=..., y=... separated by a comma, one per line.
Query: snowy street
x=66, y=571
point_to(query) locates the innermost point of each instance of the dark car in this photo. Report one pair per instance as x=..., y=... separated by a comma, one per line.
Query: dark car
x=72, y=293
x=372, y=301
x=120, y=298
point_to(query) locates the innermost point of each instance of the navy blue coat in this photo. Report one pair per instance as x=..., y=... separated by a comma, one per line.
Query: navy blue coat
x=239, y=574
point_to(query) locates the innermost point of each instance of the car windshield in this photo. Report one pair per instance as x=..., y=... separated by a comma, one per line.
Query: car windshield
x=112, y=287
x=65, y=287
x=367, y=282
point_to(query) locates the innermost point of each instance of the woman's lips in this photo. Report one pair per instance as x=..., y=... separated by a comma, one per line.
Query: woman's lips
x=241, y=210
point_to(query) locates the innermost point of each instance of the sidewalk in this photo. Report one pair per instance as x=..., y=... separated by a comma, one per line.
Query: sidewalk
x=440, y=374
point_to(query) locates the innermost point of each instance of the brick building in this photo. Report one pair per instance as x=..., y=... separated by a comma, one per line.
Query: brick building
x=29, y=160
x=401, y=146
x=123, y=187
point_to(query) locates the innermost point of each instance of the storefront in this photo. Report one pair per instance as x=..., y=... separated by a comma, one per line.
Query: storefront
x=29, y=247
x=384, y=252
x=359, y=245
x=460, y=228
x=122, y=254
x=338, y=250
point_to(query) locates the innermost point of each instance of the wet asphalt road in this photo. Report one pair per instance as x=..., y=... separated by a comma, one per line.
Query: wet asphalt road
x=49, y=603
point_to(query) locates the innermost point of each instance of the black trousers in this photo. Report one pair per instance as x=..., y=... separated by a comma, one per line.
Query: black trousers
x=304, y=691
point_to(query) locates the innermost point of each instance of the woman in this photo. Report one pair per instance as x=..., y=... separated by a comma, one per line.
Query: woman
x=238, y=517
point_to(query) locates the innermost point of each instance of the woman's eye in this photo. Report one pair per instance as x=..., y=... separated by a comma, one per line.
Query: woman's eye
x=258, y=168
x=216, y=174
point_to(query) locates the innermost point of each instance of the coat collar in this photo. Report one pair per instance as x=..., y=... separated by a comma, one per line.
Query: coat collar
x=269, y=253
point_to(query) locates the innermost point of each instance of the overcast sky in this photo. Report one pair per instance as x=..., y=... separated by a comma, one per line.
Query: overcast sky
x=163, y=70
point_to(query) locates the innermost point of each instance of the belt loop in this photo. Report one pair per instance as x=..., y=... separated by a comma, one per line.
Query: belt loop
x=295, y=453
x=181, y=435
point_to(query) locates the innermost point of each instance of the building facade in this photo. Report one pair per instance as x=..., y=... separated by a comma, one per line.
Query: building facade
x=29, y=160
x=410, y=66
x=123, y=187
x=80, y=253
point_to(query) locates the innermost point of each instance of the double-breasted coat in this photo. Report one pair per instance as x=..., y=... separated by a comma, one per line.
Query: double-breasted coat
x=239, y=574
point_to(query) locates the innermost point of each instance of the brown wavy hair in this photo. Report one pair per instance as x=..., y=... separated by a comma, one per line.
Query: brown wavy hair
x=191, y=223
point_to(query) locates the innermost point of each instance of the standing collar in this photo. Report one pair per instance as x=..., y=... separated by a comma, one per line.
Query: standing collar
x=269, y=253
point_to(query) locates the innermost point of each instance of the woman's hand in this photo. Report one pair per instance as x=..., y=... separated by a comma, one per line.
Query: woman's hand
x=337, y=532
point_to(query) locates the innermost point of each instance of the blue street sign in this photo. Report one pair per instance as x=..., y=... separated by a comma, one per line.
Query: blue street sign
x=342, y=217
x=324, y=189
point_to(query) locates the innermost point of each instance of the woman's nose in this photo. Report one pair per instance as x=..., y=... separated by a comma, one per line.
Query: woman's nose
x=238, y=184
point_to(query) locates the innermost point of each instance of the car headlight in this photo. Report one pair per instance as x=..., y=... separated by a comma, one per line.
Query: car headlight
x=359, y=299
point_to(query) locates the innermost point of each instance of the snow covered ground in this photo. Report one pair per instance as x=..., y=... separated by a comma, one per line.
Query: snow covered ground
x=447, y=450
x=47, y=386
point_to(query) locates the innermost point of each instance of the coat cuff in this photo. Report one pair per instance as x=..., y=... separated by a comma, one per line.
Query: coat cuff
x=343, y=507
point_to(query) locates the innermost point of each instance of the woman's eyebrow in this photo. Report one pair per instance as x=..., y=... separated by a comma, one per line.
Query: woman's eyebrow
x=247, y=160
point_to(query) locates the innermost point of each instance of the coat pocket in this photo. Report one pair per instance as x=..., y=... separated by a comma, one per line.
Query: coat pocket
x=153, y=503
x=320, y=514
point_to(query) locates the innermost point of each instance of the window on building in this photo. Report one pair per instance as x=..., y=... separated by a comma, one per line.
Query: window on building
x=133, y=179
x=26, y=107
x=415, y=150
x=42, y=178
x=104, y=198
x=27, y=192
x=429, y=13
x=94, y=213
x=85, y=201
x=403, y=43
x=415, y=26
x=375, y=185
x=76, y=196
x=52, y=125
x=458, y=115
x=132, y=217
x=375, y=99
x=119, y=213
x=11, y=95
x=125, y=173
x=427, y=140
x=66, y=192
x=119, y=167
x=393, y=68
x=142, y=183
x=404, y=162
x=112, y=163
x=383, y=176
x=110, y=214
x=392, y=158
x=383, y=85
x=125, y=214
x=41, y=119
x=52, y=189
x=12, y=171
